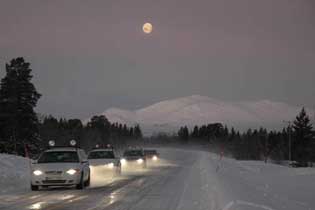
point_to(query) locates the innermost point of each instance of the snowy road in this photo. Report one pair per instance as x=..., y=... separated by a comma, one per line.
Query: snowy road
x=191, y=180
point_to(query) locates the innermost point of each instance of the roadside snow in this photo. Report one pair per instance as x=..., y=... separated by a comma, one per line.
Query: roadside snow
x=271, y=185
x=229, y=184
x=14, y=174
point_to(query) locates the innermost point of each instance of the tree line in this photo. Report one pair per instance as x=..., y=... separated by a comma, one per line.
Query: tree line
x=98, y=130
x=21, y=129
x=295, y=142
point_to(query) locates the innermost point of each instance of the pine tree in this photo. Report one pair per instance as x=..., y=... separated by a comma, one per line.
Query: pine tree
x=102, y=126
x=120, y=130
x=195, y=133
x=137, y=132
x=225, y=131
x=125, y=131
x=18, y=98
x=232, y=134
x=183, y=133
x=131, y=134
x=302, y=126
x=302, y=145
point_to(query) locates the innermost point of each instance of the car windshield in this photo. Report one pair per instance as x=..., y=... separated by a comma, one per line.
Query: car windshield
x=133, y=153
x=101, y=155
x=59, y=157
x=150, y=152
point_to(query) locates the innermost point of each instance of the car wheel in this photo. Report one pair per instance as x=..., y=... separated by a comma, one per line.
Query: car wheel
x=80, y=186
x=34, y=187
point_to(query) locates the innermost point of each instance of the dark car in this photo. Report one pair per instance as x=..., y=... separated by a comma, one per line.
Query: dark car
x=134, y=158
x=151, y=154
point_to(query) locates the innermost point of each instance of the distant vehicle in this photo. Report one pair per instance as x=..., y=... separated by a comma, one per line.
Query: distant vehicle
x=133, y=158
x=151, y=154
x=105, y=160
x=61, y=166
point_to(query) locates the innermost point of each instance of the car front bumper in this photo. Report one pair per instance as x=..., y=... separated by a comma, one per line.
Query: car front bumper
x=56, y=180
x=133, y=164
x=104, y=168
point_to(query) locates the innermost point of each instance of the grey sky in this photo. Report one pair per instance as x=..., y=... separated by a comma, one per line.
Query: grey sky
x=88, y=56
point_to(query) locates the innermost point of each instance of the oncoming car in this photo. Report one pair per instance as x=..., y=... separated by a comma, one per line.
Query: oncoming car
x=61, y=166
x=104, y=160
x=151, y=154
x=134, y=158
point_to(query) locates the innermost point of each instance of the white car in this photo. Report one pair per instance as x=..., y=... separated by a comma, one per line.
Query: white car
x=61, y=166
x=134, y=158
x=104, y=160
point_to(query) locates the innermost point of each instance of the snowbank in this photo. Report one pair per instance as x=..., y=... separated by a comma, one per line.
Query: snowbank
x=14, y=173
x=275, y=186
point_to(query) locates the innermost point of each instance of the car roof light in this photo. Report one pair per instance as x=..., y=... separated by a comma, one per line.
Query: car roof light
x=73, y=142
x=51, y=143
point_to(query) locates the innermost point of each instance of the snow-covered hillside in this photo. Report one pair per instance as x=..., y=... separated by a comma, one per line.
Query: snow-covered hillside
x=167, y=116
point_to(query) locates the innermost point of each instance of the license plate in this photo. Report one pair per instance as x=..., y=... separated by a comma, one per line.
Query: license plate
x=53, y=177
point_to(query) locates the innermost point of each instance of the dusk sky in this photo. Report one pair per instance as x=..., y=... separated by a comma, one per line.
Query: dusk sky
x=88, y=56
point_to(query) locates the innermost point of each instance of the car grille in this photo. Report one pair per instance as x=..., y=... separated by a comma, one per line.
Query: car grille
x=53, y=172
x=54, y=181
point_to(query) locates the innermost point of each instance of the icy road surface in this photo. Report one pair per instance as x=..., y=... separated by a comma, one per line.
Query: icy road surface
x=191, y=180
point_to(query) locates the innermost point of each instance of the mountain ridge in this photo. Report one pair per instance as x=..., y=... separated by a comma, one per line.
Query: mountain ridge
x=168, y=115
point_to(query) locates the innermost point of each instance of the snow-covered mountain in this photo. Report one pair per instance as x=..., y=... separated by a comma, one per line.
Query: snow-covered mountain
x=167, y=116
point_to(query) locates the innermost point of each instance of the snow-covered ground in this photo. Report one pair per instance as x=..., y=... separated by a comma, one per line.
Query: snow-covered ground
x=185, y=179
x=14, y=174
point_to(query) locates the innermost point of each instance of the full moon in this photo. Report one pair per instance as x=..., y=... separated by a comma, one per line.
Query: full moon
x=147, y=28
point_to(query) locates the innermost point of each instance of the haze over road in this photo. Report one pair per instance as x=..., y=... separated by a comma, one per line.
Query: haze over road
x=185, y=180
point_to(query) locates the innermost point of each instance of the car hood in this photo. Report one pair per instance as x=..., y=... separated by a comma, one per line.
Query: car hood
x=96, y=162
x=133, y=157
x=55, y=166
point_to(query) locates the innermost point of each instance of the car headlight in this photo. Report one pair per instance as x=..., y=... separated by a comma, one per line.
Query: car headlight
x=139, y=161
x=154, y=157
x=110, y=165
x=37, y=172
x=123, y=161
x=72, y=171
